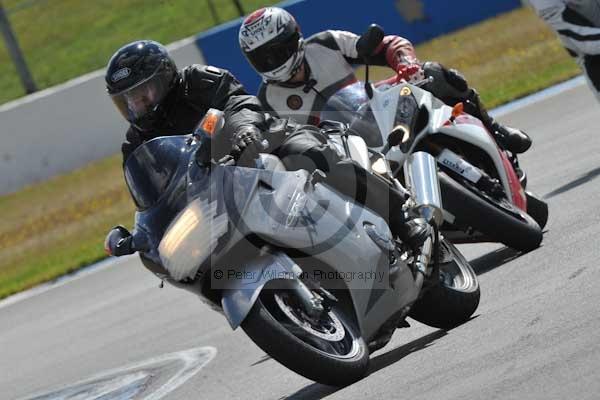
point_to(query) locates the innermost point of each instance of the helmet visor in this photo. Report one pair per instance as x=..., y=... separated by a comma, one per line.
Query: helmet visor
x=273, y=55
x=137, y=101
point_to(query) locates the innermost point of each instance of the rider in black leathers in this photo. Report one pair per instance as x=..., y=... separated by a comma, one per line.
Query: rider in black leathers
x=158, y=100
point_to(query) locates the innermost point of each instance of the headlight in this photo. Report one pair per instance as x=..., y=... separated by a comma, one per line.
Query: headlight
x=191, y=238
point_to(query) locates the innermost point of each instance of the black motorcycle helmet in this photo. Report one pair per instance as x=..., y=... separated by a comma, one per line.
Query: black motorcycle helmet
x=138, y=78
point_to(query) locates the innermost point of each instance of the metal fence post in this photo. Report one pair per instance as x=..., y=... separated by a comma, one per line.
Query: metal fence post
x=213, y=12
x=239, y=7
x=15, y=52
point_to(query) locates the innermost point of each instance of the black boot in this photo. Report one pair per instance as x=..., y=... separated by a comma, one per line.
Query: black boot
x=513, y=140
x=413, y=232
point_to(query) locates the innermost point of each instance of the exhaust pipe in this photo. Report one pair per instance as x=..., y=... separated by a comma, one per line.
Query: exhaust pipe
x=421, y=177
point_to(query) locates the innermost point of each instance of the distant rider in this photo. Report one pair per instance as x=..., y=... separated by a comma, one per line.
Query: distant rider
x=300, y=75
x=577, y=23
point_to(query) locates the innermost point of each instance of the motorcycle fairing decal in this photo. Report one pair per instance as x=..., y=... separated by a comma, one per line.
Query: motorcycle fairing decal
x=480, y=137
x=458, y=165
x=516, y=191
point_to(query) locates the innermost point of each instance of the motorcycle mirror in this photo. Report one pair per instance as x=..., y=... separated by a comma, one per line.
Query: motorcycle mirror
x=368, y=41
x=119, y=242
x=365, y=47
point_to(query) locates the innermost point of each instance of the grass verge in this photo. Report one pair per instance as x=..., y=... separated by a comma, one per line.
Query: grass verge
x=59, y=225
x=62, y=39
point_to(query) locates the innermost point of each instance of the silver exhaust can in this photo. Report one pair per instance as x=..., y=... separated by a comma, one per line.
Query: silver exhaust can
x=421, y=176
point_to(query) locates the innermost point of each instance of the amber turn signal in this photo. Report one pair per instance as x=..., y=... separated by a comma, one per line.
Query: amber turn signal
x=457, y=110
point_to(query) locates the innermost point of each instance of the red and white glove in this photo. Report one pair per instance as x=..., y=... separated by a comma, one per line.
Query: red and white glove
x=400, y=56
x=411, y=73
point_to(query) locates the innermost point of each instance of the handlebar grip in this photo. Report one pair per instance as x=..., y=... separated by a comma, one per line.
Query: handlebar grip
x=228, y=160
x=385, y=148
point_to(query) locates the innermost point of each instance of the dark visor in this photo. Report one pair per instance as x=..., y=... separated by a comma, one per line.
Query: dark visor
x=140, y=99
x=272, y=56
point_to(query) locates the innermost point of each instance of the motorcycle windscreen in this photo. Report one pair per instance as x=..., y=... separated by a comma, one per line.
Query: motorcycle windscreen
x=350, y=105
x=152, y=166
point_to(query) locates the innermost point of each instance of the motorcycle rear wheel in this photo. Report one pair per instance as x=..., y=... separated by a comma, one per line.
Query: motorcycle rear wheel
x=453, y=300
x=333, y=354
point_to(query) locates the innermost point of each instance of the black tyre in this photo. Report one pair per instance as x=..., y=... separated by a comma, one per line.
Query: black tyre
x=453, y=300
x=538, y=209
x=499, y=220
x=331, y=351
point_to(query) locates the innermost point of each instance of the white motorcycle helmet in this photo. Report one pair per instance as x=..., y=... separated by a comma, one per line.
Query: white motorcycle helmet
x=271, y=40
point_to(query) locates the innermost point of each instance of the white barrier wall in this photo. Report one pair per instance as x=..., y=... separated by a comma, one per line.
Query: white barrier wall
x=65, y=127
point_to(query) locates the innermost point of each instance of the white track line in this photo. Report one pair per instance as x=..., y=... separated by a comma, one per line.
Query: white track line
x=192, y=361
x=537, y=97
x=497, y=112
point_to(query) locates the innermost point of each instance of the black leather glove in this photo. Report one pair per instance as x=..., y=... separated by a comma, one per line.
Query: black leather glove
x=247, y=143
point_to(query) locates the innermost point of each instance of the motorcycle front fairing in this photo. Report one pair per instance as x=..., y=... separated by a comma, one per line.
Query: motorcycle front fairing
x=203, y=214
x=350, y=105
x=313, y=222
x=195, y=218
x=155, y=174
x=373, y=119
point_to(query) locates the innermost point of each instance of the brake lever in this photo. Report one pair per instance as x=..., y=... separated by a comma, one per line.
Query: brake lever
x=424, y=82
x=230, y=161
x=227, y=161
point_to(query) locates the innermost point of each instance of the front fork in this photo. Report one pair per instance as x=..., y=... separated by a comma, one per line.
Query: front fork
x=421, y=177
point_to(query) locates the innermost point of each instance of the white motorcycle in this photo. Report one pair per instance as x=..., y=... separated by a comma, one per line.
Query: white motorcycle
x=483, y=190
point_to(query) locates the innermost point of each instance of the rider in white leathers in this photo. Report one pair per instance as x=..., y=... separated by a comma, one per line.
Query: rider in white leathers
x=577, y=23
x=300, y=75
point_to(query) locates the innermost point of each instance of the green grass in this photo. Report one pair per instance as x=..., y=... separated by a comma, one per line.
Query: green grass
x=59, y=225
x=62, y=39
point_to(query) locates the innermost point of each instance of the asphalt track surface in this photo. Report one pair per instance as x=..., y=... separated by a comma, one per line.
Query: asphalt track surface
x=536, y=334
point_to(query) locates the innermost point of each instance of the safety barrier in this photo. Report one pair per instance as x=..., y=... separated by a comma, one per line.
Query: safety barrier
x=66, y=127
x=417, y=20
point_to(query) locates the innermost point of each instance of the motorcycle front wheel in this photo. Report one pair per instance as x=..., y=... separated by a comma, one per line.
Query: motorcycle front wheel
x=498, y=220
x=453, y=299
x=329, y=350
